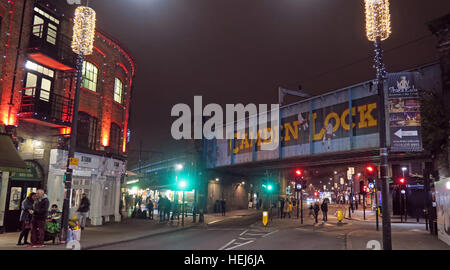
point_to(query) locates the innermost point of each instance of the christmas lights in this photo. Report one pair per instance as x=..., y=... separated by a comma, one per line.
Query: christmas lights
x=83, y=30
x=378, y=19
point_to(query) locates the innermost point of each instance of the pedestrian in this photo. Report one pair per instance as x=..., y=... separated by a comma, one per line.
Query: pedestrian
x=316, y=211
x=311, y=210
x=282, y=203
x=286, y=208
x=39, y=212
x=83, y=210
x=25, y=218
x=150, y=209
x=168, y=208
x=120, y=208
x=324, y=208
x=223, y=206
x=161, y=208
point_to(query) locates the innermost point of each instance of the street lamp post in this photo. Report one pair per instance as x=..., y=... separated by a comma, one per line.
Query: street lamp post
x=378, y=28
x=82, y=44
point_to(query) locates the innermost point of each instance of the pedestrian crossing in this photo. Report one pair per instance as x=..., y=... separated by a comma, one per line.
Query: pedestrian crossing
x=246, y=237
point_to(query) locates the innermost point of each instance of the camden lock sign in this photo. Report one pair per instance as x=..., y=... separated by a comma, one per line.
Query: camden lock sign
x=404, y=112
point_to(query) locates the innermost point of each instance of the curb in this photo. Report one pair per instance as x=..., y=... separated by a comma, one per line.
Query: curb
x=136, y=238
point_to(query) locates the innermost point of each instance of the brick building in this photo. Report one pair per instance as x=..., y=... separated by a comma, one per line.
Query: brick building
x=37, y=87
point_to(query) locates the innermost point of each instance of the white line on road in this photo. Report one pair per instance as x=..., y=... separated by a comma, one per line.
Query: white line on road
x=243, y=232
x=214, y=221
x=242, y=238
x=256, y=234
x=240, y=244
x=227, y=244
x=270, y=233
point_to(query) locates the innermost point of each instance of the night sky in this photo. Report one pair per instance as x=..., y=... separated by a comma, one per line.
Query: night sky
x=241, y=51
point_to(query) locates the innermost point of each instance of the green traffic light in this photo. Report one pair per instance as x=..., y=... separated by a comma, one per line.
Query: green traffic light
x=269, y=187
x=182, y=184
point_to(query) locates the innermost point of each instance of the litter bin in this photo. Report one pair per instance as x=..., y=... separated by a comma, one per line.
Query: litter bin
x=339, y=214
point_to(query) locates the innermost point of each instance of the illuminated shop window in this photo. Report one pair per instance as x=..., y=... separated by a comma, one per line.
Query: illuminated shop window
x=38, y=81
x=90, y=73
x=45, y=26
x=118, y=90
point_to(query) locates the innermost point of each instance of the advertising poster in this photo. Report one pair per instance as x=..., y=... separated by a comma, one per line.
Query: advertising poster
x=404, y=112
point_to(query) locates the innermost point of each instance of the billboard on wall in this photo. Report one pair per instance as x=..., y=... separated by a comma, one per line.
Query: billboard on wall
x=442, y=188
x=343, y=120
x=404, y=112
x=324, y=124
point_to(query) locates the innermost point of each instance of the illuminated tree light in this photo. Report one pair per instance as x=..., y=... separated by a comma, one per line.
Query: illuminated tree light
x=83, y=30
x=378, y=19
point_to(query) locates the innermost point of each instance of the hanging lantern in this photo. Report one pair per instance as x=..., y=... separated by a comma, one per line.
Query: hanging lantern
x=378, y=19
x=83, y=30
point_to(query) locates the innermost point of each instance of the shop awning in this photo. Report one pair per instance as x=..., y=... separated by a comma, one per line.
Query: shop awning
x=10, y=159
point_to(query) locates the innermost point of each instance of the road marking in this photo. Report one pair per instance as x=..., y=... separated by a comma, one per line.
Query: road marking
x=243, y=232
x=240, y=244
x=242, y=238
x=227, y=244
x=256, y=234
x=214, y=221
x=270, y=233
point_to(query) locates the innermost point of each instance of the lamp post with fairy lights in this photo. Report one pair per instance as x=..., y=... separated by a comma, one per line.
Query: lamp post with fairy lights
x=82, y=44
x=378, y=28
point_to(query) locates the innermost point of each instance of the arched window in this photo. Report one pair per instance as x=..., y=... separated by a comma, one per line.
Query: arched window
x=90, y=74
x=115, y=141
x=118, y=91
x=87, y=133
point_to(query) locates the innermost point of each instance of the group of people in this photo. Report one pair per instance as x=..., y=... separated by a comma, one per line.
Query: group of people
x=315, y=209
x=35, y=212
x=286, y=207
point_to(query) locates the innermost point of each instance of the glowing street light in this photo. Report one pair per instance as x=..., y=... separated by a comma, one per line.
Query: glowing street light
x=179, y=167
x=82, y=44
x=378, y=28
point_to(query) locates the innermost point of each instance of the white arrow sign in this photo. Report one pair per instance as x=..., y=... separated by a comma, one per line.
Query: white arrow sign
x=406, y=133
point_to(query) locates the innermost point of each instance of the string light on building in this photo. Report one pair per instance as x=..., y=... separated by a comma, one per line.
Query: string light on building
x=83, y=30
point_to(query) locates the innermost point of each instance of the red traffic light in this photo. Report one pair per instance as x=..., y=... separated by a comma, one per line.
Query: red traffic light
x=365, y=188
x=316, y=194
x=298, y=172
x=402, y=181
x=370, y=169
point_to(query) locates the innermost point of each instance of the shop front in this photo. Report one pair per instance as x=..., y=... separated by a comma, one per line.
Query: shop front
x=96, y=176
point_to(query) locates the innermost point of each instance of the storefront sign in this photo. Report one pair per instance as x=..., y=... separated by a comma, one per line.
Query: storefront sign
x=404, y=112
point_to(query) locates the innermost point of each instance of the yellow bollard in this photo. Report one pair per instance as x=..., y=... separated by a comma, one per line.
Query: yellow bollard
x=265, y=218
x=339, y=215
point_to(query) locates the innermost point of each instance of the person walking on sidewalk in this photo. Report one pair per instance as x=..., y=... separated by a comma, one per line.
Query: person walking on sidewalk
x=83, y=209
x=311, y=210
x=161, y=208
x=316, y=211
x=223, y=206
x=150, y=209
x=287, y=208
x=282, y=203
x=39, y=212
x=25, y=218
x=324, y=208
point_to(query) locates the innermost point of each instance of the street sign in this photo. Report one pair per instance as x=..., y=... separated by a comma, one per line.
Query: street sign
x=265, y=218
x=404, y=112
x=73, y=163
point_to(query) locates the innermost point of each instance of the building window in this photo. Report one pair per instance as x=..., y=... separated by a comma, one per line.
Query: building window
x=118, y=90
x=87, y=134
x=38, y=81
x=115, y=141
x=45, y=26
x=90, y=73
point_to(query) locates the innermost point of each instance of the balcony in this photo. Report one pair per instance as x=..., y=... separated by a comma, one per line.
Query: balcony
x=51, y=50
x=50, y=110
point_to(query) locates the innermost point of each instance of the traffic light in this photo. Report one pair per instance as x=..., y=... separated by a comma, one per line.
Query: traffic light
x=298, y=172
x=365, y=189
x=370, y=169
x=316, y=194
x=268, y=187
x=402, y=181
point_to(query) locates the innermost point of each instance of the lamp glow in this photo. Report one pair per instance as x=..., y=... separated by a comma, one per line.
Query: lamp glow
x=83, y=30
x=378, y=19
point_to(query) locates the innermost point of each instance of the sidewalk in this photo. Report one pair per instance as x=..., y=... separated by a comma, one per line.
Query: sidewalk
x=406, y=240
x=127, y=230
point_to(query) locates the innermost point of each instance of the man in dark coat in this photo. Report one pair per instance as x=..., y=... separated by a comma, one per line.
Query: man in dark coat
x=83, y=209
x=324, y=208
x=39, y=212
x=316, y=211
x=282, y=202
x=223, y=207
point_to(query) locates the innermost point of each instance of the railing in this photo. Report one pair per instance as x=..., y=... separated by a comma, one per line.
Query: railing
x=52, y=43
x=57, y=108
